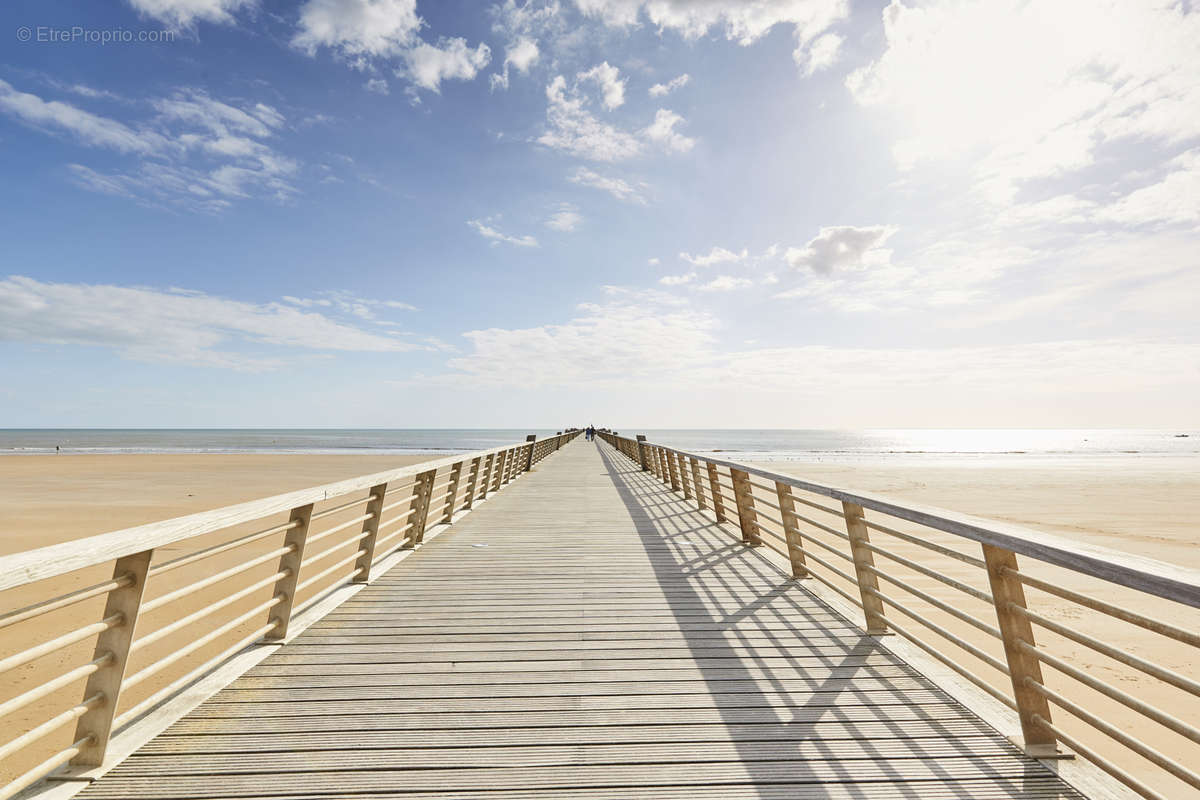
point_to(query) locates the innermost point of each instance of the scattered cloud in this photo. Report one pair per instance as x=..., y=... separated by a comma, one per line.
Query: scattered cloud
x=743, y=21
x=566, y=219
x=571, y=127
x=654, y=262
x=363, y=32
x=675, y=280
x=378, y=86
x=486, y=230
x=87, y=128
x=617, y=187
x=451, y=59
x=197, y=152
x=843, y=248
x=662, y=131
x=608, y=79
x=174, y=326
x=725, y=283
x=521, y=54
x=357, y=29
x=663, y=89
x=821, y=53
x=186, y=13
x=718, y=255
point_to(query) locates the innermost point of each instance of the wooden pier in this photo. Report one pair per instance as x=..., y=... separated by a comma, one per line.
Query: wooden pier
x=589, y=632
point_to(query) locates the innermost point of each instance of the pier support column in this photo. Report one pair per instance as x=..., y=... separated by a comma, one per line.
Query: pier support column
x=747, y=516
x=289, y=563
x=791, y=530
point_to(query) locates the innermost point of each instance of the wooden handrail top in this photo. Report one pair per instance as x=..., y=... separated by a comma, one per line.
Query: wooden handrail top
x=1148, y=575
x=29, y=566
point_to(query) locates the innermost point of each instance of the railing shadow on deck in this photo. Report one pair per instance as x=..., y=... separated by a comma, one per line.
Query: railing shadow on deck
x=662, y=520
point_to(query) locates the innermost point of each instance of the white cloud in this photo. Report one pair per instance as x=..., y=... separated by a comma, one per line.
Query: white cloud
x=521, y=54
x=186, y=13
x=1086, y=79
x=718, y=255
x=357, y=28
x=1174, y=199
x=843, y=248
x=663, y=89
x=566, y=219
x=725, y=283
x=654, y=262
x=428, y=65
x=617, y=187
x=196, y=153
x=743, y=20
x=662, y=131
x=821, y=54
x=608, y=79
x=615, y=341
x=90, y=129
x=378, y=86
x=574, y=129
x=496, y=236
x=675, y=280
x=172, y=326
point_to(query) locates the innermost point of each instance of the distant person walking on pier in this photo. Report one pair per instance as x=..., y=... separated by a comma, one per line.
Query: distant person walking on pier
x=590, y=433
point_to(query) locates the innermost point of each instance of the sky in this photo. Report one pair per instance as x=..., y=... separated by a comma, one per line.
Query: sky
x=656, y=213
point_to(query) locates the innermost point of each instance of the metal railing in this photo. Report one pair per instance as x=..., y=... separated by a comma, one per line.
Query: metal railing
x=905, y=567
x=246, y=571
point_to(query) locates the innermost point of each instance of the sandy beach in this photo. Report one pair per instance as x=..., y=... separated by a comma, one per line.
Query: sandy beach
x=1145, y=506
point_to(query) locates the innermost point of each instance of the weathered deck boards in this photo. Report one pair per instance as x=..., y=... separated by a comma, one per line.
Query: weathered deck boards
x=583, y=635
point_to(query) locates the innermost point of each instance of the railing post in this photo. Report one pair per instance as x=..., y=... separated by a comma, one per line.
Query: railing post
x=747, y=516
x=370, y=527
x=487, y=476
x=498, y=478
x=683, y=476
x=96, y=724
x=529, y=463
x=472, y=481
x=864, y=561
x=452, y=492
x=791, y=530
x=419, y=513
x=673, y=471
x=1015, y=629
x=663, y=474
x=697, y=484
x=289, y=563
x=714, y=486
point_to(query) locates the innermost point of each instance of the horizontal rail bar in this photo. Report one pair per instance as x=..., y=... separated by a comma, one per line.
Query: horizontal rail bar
x=50, y=725
x=43, y=769
x=987, y=628
x=191, y=588
x=59, y=642
x=166, y=566
x=45, y=607
x=153, y=700
x=928, y=545
x=1100, y=761
x=49, y=687
x=1125, y=615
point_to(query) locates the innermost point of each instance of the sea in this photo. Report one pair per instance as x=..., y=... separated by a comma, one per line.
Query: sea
x=835, y=446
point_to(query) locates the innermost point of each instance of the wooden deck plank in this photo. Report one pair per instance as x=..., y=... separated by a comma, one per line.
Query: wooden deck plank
x=583, y=635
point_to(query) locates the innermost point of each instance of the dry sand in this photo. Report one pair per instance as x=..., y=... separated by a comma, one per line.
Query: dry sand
x=1146, y=505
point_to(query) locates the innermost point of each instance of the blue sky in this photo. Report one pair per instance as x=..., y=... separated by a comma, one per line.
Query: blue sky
x=666, y=213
